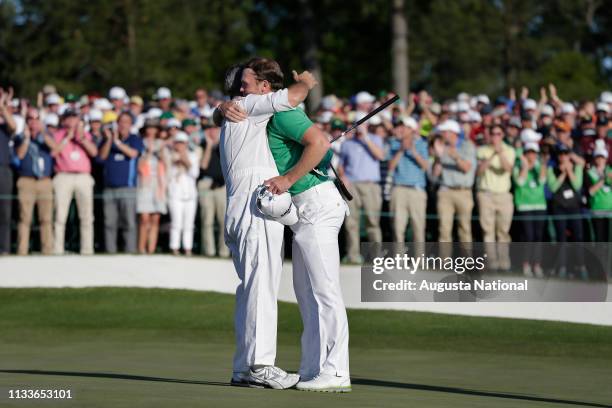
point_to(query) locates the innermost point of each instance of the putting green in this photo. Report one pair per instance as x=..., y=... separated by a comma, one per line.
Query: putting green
x=168, y=348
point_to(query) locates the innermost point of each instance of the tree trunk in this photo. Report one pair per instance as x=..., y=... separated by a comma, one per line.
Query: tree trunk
x=399, y=50
x=310, y=57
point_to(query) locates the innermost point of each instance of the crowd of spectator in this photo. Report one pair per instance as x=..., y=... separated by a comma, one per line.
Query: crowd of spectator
x=420, y=171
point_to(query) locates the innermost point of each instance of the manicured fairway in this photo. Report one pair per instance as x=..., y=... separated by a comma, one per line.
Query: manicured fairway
x=167, y=348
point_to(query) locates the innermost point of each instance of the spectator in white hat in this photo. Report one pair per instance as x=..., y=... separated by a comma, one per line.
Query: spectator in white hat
x=117, y=96
x=164, y=99
x=364, y=102
x=454, y=170
x=409, y=163
x=495, y=206
x=182, y=193
x=53, y=102
x=599, y=186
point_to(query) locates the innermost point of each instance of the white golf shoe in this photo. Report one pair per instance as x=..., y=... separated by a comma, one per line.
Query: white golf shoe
x=266, y=377
x=326, y=383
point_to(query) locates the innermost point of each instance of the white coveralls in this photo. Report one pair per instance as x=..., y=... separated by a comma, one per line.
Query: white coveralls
x=316, y=281
x=255, y=243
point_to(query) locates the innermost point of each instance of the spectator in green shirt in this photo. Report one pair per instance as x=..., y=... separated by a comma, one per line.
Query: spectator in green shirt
x=599, y=179
x=529, y=179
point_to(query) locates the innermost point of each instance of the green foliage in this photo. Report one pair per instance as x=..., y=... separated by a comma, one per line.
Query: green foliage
x=464, y=45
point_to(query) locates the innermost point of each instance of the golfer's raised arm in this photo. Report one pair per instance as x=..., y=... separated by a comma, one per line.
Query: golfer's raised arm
x=281, y=100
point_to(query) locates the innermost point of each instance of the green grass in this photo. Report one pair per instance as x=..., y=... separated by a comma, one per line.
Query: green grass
x=155, y=348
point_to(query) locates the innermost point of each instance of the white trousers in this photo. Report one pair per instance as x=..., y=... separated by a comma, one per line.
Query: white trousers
x=316, y=281
x=256, y=246
x=182, y=220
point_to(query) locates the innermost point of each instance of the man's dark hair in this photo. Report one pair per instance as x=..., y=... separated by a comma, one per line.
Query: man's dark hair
x=233, y=78
x=268, y=70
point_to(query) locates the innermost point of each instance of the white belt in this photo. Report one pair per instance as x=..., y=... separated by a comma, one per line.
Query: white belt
x=322, y=189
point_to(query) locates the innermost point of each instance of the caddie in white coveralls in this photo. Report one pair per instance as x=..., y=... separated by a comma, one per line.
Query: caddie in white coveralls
x=256, y=243
x=298, y=147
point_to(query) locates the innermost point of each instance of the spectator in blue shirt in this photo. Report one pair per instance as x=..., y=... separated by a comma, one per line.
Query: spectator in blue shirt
x=360, y=158
x=119, y=152
x=409, y=161
x=7, y=129
x=34, y=186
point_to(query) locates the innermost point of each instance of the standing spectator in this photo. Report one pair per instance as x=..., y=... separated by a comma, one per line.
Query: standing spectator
x=117, y=97
x=97, y=171
x=454, y=169
x=182, y=193
x=151, y=196
x=529, y=177
x=73, y=150
x=599, y=179
x=164, y=99
x=120, y=152
x=360, y=157
x=7, y=129
x=201, y=107
x=409, y=164
x=211, y=190
x=34, y=185
x=495, y=206
x=565, y=182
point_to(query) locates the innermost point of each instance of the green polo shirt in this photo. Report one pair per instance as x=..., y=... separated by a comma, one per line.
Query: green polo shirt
x=602, y=199
x=529, y=193
x=285, y=132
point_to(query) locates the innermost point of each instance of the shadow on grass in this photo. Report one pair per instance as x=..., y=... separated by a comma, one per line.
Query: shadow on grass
x=354, y=380
x=464, y=391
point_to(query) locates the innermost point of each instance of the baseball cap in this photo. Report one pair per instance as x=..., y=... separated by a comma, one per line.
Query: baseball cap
x=603, y=107
x=338, y=124
x=95, y=115
x=547, y=110
x=51, y=120
x=482, y=98
x=364, y=97
x=69, y=112
x=606, y=97
x=530, y=104
x=166, y=115
x=567, y=108
x=109, y=117
x=532, y=146
x=515, y=122
x=181, y=137
x=154, y=113
x=409, y=121
x=375, y=120
x=450, y=125
x=325, y=117
x=103, y=104
x=530, y=136
x=278, y=207
x=116, y=92
x=53, y=99
x=163, y=93
x=173, y=122
x=463, y=106
x=71, y=98
x=600, y=149
x=474, y=116
x=137, y=100
x=188, y=122
x=463, y=97
x=329, y=102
